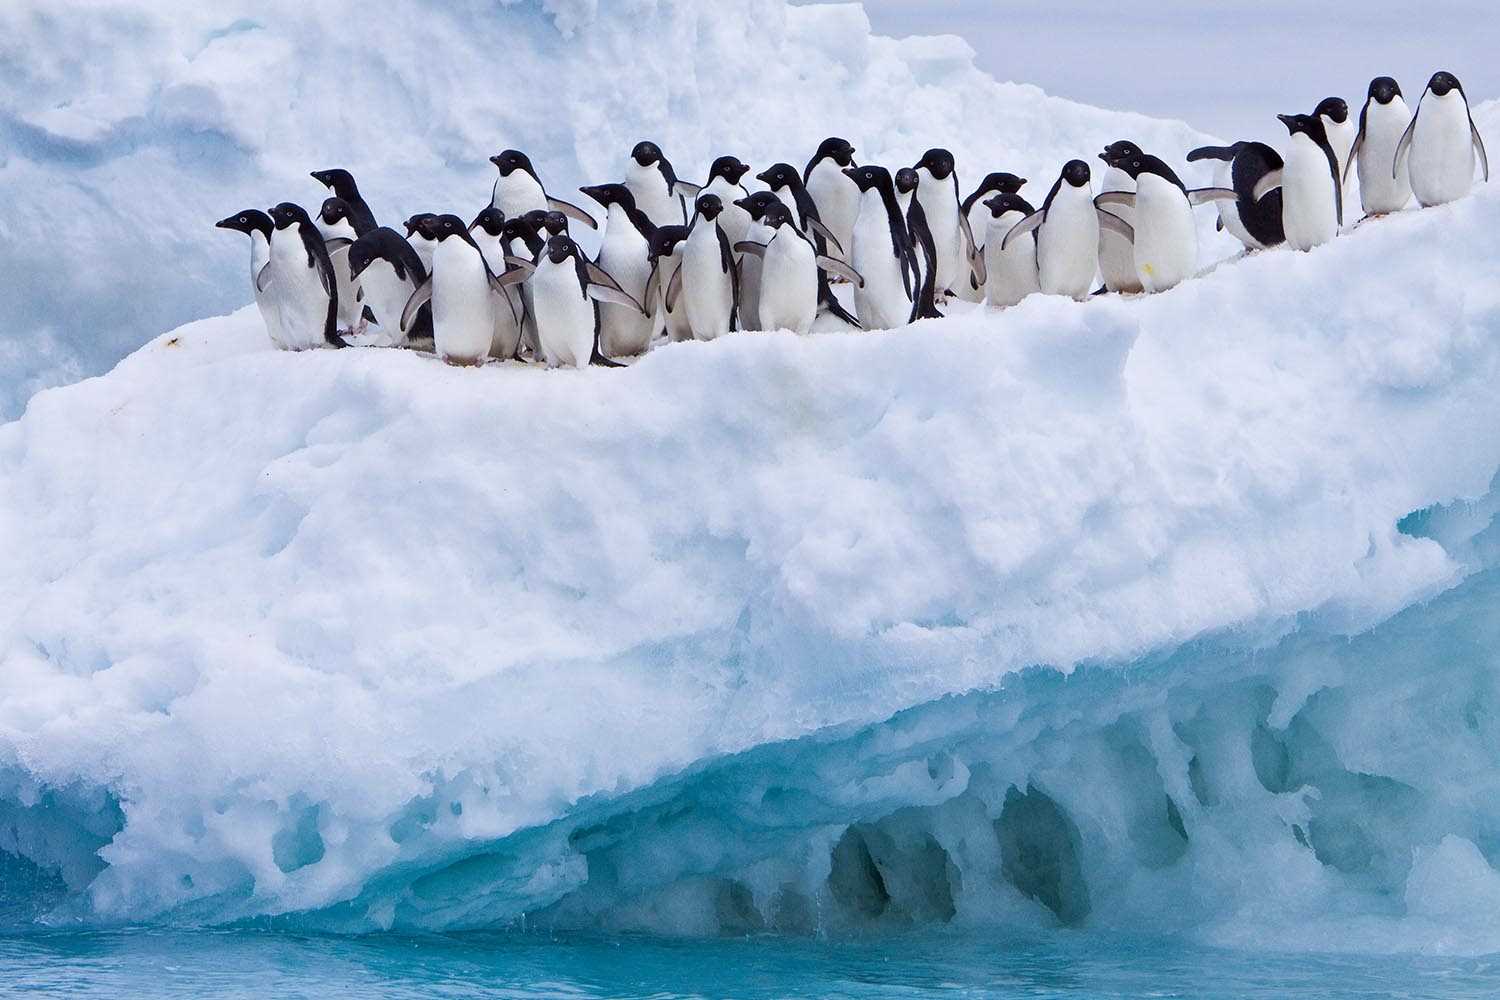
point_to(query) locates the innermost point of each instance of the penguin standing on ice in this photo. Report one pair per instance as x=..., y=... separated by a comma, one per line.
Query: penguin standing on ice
x=755, y=204
x=908, y=182
x=488, y=233
x=707, y=282
x=653, y=185
x=789, y=273
x=521, y=238
x=666, y=257
x=388, y=269
x=786, y=183
x=463, y=294
x=257, y=225
x=979, y=219
x=1439, y=146
x=1067, y=234
x=1116, y=253
x=952, y=238
x=518, y=190
x=836, y=196
x=341, y=183
x=300, y=282
x=566, y=290
x=724, y=183
x=421, y=233
x=1333, y=112
x=1255, y=223
x=1163, y=233
x=340, y=228
x=1010, y=271
x=624, y=253
x=1383, y=120
x=1312, y=192
x=883, y=254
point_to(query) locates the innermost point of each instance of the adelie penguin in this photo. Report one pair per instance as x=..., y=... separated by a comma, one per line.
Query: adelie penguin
x=518, y=190
x=1255, y=223
x=755, y=204
x=653, y=185
x=1333, y=112
x=666, y=256
x=1010, y=270
x=786, y=184
x=978, y=216
x=789, y=273
x=1164, y=236
x=1383, y=120
x=257, y=225
x=522, y=238
x=832, y=191
x=724, y=183
x=707, y=282
x=883, y=254
x=952, y=237
x=341, y=183
x=421, y=233
x=488, y=232
x=1312, y=192
x=340, y=227
x=388, y=269
x=566, y=290
x=624, y=254
x=1067, y=233
x=300, y=282
x=908, y=182
x=463, y=293
x=1116, y=253
x=1440, y=145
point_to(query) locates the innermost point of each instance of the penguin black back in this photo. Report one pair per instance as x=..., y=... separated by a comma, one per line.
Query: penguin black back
x=995, y=183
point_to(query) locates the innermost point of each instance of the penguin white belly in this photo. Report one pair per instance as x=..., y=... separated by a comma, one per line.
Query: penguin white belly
x=1166, y=239
x=837, y=198
x=1116, y=255
x=1380, y=193
x=517, y=194
x=1309, y=213
x=386, y=295
x=649, y=188
x=675, y=322
x=785, y=197
x=789, y=285
x=1341, y=136
x=260, y=256
x=564, y=315
x=1012, y=271
x=750, y=278
x=735, y=221
x=625, y=255
x=351, y=303
x=883, y=302
x=1441, y=158
x=1229, y=211
x=1067, y=245
x=530, y=342
x=707, y=295
x=978, y=223
x=939, y=201
x=463, y=319
x=301, y=302
x=423, y=247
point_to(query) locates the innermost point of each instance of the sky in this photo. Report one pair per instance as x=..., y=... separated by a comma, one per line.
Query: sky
x=1227, y=68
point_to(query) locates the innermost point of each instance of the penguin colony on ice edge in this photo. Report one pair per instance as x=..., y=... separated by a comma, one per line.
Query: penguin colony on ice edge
x=679, y=261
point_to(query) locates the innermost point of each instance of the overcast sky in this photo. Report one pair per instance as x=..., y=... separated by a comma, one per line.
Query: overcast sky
x=1225, y=67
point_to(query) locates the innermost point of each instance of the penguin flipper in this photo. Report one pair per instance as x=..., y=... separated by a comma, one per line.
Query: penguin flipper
x=968, y=230
x=519, y=262
x=653, y=289
x=599, y=276
x=835, y=266
x=1225, y=153
x=369, y=315
x=1484, y=158
x=1268, y=183
x=419, y=298
x=1125, y=198
x=674, y=289
x=823, y=231
x=1202, y=196
x=337, y=243
x=611, y=294
x=1405, y=144
x=572, y=211
x=1219, y=224
x=263, y=279
x=978, y=270
x=684, y=189
x=1359, y=141
x=1023, y=227
x=1117, y=225
x=750, y=247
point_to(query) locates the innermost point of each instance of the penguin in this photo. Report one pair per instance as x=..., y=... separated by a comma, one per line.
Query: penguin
x=566, y=290
x=1116, y=254
x=624, y=253
x=789, y=273
x=750, y=264
x=979, y=220
x=1333, y=112
x=341, y=183
x=786, y=183
x=1382, y=122
x=463, y=294
x=883, y=254
x=421, y=233
x=521, y=238
x=1312, y=192
x=908, y=182
x=1255, y=223
x=724, y=183
x=488, y=233
x=1439, y=146
x=258, y=226
x=707, y=281
x=941, y=202
x=1165, y=237
x=518, y=190
x=1067, y=233
x=666, y=257
x=653, y=185
x=387, y=267
x=339, y=228
x=301, y=283
x=837, y=197
x=1010, y=271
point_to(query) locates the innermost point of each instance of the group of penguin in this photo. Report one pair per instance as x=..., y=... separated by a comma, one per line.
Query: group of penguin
x=682, y=261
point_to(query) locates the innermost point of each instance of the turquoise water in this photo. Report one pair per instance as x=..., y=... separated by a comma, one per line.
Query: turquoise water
x=252, y=964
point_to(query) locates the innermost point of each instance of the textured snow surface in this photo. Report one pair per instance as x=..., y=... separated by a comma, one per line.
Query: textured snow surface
x=128, y=128
x=366, y=641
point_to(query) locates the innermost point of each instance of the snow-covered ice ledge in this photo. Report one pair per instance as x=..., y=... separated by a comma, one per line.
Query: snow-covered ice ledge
x=351, y=635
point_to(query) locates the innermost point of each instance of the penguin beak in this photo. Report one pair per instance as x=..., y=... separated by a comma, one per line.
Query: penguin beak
x=1286, y=120
x=849, y=172
x=495, y=159
x=224, y=223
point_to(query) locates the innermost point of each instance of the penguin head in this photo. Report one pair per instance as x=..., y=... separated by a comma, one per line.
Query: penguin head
x=1076, y=173
x=553, y=224
x=779, y=176
x=361, y=255
x=334, y=211
x=337, y=180
x=907, y=180
x=1141, y=163
x=1007, y=201
x=1002, y=183
x=836, y=149
x=421, y=225
x=560, y=248
x=729, y=168
x=757, y=203
x=519, y=227
x=646, y=153
x=777, y=215
x=937, y=162
x=870, y=178
x=1444, y=83
x=490, y=219
x=1308, y=125
x=446, y=226
x=610, y=194
x=247, y=221
x=1384, y=89
x=508, y=161
x=709, y=206
x=1117, y=151
x=663, y=242
x=1335, y=109
x=286, y=214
